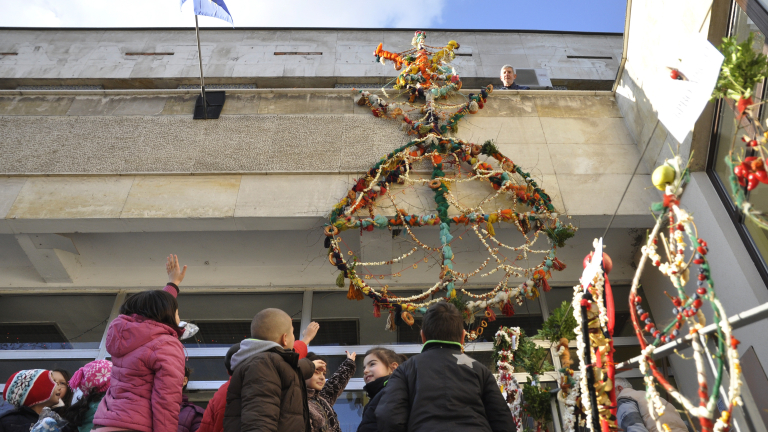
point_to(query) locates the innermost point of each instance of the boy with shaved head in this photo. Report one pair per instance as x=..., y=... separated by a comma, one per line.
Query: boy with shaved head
x=267, y=390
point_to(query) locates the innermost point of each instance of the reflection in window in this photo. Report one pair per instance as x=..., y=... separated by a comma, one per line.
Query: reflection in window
x=727, y=125
x=349, y=408
x=53, y=321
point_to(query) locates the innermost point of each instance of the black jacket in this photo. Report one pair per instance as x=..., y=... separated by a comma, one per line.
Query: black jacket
x=18, y=420
x=442, y=389
x=374, y=391
x=267, y=390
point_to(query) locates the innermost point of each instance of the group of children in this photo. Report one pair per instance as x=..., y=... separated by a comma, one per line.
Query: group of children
x=275, y=383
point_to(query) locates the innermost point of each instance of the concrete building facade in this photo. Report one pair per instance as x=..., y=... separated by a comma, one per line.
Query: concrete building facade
x=104, y=172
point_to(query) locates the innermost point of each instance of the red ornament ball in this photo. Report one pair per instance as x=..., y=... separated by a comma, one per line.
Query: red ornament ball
x=607, y=262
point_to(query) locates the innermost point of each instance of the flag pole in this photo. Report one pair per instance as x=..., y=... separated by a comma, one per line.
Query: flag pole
x=202, y=80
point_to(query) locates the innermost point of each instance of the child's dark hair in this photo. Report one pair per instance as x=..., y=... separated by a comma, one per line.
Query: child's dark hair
x=312, y=357
x=156, y=305
x=68, y=397
x=187, y=374
x=386, y=356
x=77, y=413
x=443, y=322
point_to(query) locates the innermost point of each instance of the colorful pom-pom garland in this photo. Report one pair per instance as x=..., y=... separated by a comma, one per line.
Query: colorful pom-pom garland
x=426, y=74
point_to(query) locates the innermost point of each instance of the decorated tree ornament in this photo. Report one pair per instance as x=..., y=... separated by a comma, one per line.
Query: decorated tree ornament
x=505, y=344
x=593, y=310
x=682, y=237
x=375, y=201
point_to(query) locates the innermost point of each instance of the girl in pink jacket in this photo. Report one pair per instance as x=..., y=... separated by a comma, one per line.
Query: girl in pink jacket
x=147, y=362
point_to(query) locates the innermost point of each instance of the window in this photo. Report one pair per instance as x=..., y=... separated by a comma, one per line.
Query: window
x=756, y=239
x=226, y=333
x=66, y=321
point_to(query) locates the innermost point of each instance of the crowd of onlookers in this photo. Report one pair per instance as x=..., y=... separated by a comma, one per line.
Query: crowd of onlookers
x=275, y=383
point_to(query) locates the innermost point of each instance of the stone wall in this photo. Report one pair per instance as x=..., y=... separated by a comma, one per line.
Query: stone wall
x=109, y=57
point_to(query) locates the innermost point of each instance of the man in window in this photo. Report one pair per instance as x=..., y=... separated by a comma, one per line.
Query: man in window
x=508, y=76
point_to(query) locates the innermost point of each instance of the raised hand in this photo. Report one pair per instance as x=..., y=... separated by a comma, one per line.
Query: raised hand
x=351, y=356
x=175, y=272
x=310, y=332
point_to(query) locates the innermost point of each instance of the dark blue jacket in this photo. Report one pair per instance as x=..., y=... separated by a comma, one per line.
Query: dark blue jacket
x=444, y=390
x=375, y=390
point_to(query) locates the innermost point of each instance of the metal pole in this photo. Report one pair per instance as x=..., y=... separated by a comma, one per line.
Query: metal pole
x=202, y=80
x=737, y=321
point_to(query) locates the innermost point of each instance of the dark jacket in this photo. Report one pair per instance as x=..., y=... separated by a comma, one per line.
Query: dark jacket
x=374, y=389
x=18, y=419
x=267, y=390
x=443, y=389
x=322, y=417
x=190, y=416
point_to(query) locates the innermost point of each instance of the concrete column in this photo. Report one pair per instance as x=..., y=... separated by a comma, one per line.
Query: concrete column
x=53, y=256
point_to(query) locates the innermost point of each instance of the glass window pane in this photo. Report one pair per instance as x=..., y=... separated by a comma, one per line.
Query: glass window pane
x=349, y=409
x=207, y=310
x=9, y=367
x=334, y=306
x=70, y=321
x=207, y=369
x=334, y=361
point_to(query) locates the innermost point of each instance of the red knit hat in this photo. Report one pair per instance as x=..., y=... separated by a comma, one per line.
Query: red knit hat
x=29, y=387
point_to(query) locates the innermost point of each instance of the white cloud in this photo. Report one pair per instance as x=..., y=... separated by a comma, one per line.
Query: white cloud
x=246, y=13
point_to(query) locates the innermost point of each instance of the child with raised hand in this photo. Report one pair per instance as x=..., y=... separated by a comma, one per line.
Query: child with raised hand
x=93, y=381
x=379, y=364
x=443, y=389
x=322, y=394
x=148, y=361
x=267, y=390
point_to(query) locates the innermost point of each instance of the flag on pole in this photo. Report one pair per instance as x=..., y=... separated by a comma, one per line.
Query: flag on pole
x=212, y=8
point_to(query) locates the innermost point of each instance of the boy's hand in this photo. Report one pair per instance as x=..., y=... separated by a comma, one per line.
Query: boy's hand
x=175, y=273
x=310, y=332
x=319, y=365
x=351, y=356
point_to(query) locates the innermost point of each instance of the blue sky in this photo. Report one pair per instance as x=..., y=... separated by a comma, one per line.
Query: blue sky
x=557, y=15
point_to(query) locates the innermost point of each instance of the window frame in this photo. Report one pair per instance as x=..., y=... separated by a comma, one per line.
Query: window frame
x=759, y=16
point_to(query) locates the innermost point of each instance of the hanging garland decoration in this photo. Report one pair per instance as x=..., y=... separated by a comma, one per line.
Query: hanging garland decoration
x=742, y=70
x=427, y=74
x=687, y=309
x=593, y=310
x=505, y=344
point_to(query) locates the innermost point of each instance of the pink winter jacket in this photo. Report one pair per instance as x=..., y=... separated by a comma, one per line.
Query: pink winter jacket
x=147, y=376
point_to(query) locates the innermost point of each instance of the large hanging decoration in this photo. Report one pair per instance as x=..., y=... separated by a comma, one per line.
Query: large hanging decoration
x=428, y=79
x=682, y=236
x=593, y=309
x=505, y=344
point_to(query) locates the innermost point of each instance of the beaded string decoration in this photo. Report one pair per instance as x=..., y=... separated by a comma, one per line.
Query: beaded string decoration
x=504, y=345
x=687, y=310
x=428, y=76
x=592, y=309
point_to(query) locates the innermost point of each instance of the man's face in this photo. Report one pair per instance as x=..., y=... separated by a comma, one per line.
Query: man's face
x=508, y=76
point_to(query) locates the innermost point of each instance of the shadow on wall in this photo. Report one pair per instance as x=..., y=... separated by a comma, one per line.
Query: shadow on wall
x=640, y=117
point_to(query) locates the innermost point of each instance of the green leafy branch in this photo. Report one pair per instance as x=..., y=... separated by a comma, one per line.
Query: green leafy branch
x=743, y=68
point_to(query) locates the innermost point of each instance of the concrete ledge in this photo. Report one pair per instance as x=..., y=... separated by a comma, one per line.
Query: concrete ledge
x=170, y=92
x=263, y=203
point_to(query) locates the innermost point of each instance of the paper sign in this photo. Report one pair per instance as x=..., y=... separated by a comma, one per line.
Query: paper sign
x=684, y=100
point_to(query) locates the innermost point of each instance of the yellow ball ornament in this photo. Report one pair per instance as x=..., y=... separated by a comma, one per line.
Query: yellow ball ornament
x=662, y=176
